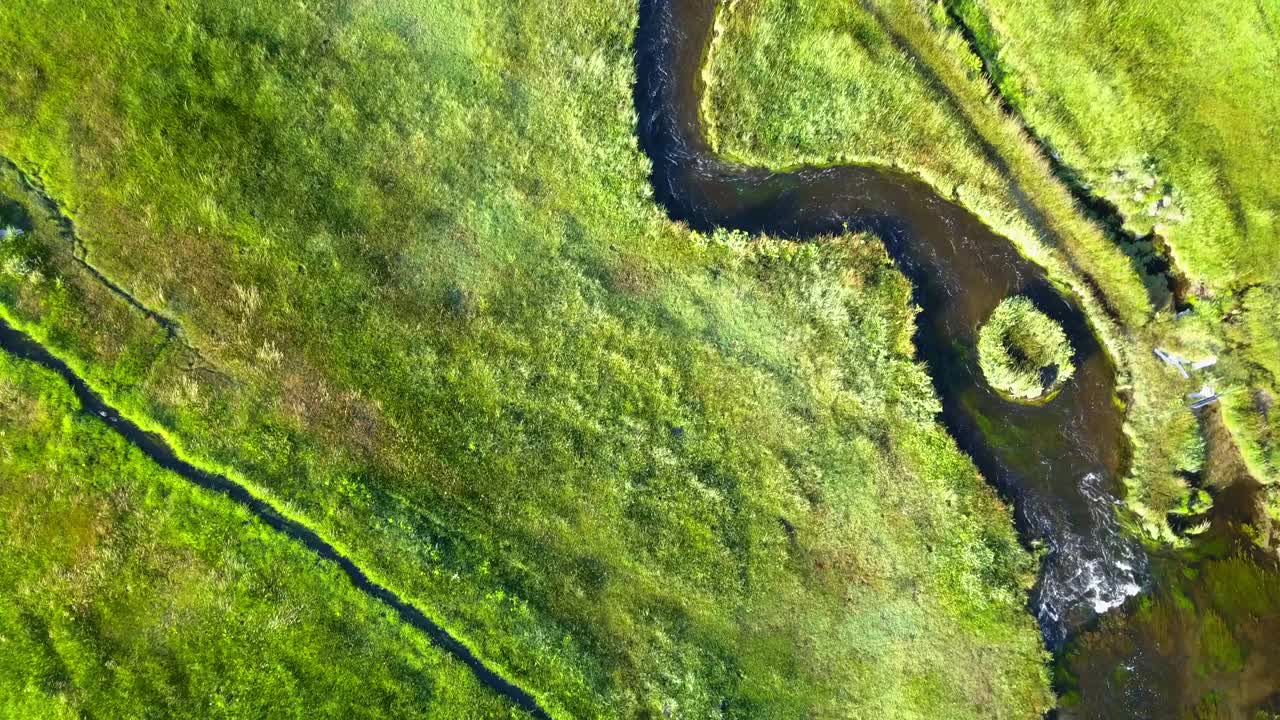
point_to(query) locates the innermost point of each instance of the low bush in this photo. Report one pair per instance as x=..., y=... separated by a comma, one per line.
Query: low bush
x=1023, y=352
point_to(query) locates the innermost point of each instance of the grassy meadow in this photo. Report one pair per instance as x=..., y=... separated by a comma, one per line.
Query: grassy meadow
x=128, y=593
x=1180, y=139
x=426, y=305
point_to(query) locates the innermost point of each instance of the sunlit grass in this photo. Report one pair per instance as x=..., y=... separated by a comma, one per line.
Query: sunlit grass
x=428, y=305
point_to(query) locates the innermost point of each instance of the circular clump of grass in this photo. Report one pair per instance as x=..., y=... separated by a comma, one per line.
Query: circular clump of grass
x=1023, y=353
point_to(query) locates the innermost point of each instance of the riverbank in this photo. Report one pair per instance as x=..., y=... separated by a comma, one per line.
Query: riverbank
x=1200, y=645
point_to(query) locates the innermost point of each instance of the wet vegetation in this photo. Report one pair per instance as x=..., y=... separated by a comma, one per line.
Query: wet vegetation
x=1022, y=351
x=424, y=302
x=1201, y=647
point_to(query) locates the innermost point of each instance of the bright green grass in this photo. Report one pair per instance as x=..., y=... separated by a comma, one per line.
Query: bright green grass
x=429, y=305
x=821, y=83
x=125, y=592
x=886, y=83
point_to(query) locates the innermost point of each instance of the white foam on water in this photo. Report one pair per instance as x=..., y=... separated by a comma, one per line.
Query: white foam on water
x=1091, y=568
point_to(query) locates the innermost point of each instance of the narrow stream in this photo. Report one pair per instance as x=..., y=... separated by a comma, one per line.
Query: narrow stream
x=153, y=446
x=1059, y=462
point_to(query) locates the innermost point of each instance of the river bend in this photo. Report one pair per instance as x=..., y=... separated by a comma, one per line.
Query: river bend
x=1059, y=462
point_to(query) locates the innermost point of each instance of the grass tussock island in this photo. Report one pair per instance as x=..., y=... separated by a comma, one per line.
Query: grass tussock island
x=421, y=299
x=1023, y=352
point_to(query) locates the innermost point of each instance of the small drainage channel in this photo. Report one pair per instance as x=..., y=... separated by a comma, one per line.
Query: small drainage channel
x=153, y=446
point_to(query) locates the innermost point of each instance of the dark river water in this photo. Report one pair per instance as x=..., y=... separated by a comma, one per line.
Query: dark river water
x=1060, y=461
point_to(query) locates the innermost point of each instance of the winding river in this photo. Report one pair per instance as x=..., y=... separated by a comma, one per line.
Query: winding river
x=1059, y=462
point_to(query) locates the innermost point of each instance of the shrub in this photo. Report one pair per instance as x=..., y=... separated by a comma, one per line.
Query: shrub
x=1023, y=352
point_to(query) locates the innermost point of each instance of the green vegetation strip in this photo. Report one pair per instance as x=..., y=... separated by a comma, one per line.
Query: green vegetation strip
x=155, y=448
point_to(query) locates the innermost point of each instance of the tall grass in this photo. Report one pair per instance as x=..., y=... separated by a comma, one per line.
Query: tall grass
x=1022, y=351
x=1170, y=91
